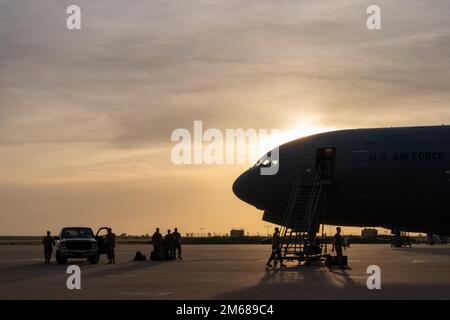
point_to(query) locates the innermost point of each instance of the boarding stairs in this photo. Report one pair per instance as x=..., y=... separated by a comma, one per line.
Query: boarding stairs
x=302, y=220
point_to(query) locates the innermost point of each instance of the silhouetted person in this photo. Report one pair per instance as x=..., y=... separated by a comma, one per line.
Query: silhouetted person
x=430, y=239
x=48, y=243
x=157, y=243
x=276, y=249
x=338, y=245
x=347, y=243
x=110, y=245
x=177, y=242
x=169, y=246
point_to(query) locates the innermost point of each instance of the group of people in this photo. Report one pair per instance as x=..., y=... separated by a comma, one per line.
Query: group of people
x=164, y=248
x=167, y=247
x=338, y=244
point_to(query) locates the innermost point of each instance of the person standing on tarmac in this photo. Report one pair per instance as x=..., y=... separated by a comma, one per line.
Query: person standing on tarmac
x=276, y=249
x=170, y=246
x=48, y=243
x=156, y=241
x=177, y=241
x=110, y=245
x=338, y=244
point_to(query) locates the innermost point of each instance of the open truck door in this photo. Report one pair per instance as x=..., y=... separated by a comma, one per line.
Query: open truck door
x=100, y=238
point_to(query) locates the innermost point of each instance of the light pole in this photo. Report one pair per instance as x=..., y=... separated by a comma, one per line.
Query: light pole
x=201, y=231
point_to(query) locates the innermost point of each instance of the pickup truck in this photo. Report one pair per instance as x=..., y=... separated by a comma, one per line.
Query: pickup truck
x=76, y=242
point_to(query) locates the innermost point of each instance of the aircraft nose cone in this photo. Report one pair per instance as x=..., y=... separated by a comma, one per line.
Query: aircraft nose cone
x=241, y=187
x=249, y=188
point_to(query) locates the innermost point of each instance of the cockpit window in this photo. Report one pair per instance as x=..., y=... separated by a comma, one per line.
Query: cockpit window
x=265, y=161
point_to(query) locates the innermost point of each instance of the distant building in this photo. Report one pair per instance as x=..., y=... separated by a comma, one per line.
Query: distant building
x=237, y=233
x=369, y=233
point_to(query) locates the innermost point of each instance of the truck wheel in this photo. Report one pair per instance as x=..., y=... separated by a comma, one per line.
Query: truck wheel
x=61, y=260
x=94, y=260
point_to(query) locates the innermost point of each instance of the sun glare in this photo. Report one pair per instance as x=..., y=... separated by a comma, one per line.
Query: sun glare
x=301, y=129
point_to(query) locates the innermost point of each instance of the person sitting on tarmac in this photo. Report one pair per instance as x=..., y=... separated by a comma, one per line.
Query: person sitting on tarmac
x=48, y=243
x=276, y=249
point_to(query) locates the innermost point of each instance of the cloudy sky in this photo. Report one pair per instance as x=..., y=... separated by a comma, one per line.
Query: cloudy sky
x=86, y=116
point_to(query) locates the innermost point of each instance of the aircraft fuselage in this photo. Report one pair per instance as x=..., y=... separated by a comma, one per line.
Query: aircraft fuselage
x=387, y=177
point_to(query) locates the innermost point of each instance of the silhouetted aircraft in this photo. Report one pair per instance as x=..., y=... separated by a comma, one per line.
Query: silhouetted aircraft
x=397, y=178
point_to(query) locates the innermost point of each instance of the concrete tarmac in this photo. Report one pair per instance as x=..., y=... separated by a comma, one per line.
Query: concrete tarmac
x=228, y=272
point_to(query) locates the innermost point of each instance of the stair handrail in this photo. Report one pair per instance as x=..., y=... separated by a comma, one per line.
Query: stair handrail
x=313, y=200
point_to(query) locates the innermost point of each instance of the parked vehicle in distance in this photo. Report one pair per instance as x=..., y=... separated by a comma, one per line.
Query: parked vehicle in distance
x=76, y=242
